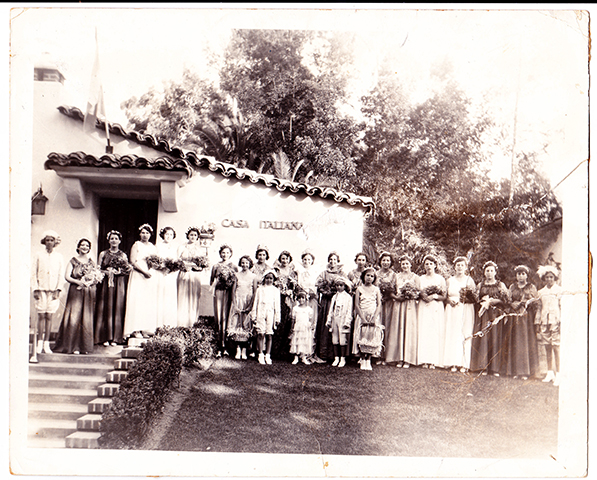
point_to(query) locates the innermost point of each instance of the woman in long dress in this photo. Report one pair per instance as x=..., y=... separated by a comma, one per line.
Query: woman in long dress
x=520, y=352
x=189, y=279
x=261, y=266
x=167, y=301
x=487, y=349
x=111, y=293
x=431, y=315
x=408, y=286
x=306, y=279
x=75, y=334
x=325, y=288
x=240, y=327
x=460, y=318
x=286, y=282
x=386, y=281
x=222, y=283
x=141, y=298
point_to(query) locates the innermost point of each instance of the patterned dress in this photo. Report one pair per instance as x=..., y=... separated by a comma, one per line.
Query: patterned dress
x=302, y=334
x=240, y=326
x=111, y=298
x=75, y=333
x=368, y=334
x=323, y=338
x=287, y=279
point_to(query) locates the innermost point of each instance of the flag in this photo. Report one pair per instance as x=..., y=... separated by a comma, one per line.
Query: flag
x=95, y=103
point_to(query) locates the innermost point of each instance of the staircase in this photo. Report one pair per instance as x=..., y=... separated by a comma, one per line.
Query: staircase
x=68, y=394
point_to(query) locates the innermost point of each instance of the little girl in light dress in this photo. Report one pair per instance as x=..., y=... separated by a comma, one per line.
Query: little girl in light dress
x=301, y=342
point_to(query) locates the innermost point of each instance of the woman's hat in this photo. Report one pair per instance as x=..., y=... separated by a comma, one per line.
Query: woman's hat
x=344, y=281
x=545, y=269
x=50, y=233
x=267, y=272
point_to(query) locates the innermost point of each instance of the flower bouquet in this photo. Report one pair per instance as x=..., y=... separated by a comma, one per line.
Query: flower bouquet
x=155, y=262
x=171, y=265
x=434, y=290
x=325, y=287
x=467, y=295
x=92, y=275
x=225, y=279
x=117, y=266
x=387, y=288
x=200, y=263
x=286, y=285
x=409, y=292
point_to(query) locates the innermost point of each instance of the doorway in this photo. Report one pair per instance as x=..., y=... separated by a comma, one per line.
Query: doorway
x=126, y=216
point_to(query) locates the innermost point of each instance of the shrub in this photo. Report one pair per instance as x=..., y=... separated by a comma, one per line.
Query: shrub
x=142, y=394
x=196, y=342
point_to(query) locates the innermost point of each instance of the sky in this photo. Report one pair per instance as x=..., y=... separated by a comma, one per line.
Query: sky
x=527, y=69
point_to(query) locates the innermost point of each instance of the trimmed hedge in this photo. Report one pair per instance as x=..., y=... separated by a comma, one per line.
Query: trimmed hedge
x=197, y=342
x=142, y=394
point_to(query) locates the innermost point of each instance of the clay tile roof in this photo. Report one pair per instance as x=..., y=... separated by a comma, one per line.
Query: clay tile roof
x=188, y=161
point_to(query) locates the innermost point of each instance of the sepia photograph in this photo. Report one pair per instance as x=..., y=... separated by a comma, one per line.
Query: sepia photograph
x=298, y=240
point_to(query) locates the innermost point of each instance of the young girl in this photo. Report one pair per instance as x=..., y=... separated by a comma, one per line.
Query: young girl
x=265, y=315
x=547, y=322
x=301, y=343
x=340, y=319
x=369, y=332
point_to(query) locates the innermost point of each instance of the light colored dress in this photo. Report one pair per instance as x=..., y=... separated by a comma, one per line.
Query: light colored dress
x=240, y=326
x=460, y=320
x=306, y=280
x=369, y=333
x=340, y=318
x=188, y=286
x=431, y=327
x=265, y=313
x=302, y=334
x=141, y=297
x=167, y=299
x=407, y=320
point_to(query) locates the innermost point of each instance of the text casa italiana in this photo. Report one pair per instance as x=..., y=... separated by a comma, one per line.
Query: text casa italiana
x=263, y=224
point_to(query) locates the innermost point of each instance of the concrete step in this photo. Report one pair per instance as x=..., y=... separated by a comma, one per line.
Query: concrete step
x=50, y=428
x=37, y=379
x=136, y=342
x=99, y=405
x=61, y=395
x=108, y=389
x=59, y=411
x=93, y=358
x=83, y=440
x=82, y=370
x=89, y=422
x=116, y=376
x=131, y=352
x=124, y=363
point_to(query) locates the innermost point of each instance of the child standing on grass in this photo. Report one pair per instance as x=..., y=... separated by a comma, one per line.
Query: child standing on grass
x=340, y=319
x=547, y=322
x=265, y=315
x=301, y=342
x=368, y=329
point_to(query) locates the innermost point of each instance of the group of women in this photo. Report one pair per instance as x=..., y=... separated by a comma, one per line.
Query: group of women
x=284, y=309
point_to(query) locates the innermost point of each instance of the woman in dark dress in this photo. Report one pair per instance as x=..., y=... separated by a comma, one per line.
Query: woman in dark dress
x=286, y=282
x=75, y=334
x=223, y=281
x=111, y=293
x=487, y=350
x=521, y=359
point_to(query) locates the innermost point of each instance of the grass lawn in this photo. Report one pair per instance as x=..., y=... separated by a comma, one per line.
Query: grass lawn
x=237, y=406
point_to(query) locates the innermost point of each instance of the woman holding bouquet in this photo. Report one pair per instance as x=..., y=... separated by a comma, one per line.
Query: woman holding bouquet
x=286, y=282
x=521, y=358
x=111, y=300
x=240, y=327
x=75, y=334
x=306, y=281
x=167, y=301
x=408, y=286
x=189, y=281
x=431, y=327
x=460, y=317
x=492, y=295
x=386, y=281
x=141, y=301
x=325, y=287
x=222, y=281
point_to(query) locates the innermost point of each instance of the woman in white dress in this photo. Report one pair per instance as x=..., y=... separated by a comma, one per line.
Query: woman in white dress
x=431, y=315
x=141, y=302
x=306, y=282
x=167, y=301
x=189, y=281
x=460, y=318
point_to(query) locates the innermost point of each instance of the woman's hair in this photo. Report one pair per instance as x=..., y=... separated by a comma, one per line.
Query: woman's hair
x=334, y=254
x=405, y=257
x=114, y=232
x=367, y=270
x=146, y=226
x=460, y=258
x=192, y=229
x=302, y=294
x=287, y=253
x=81, y=241
x=522, y=268
x=490, y=264
x=261, y=248
x=431, y=258
x=386, y=254
x=224, y=247
x=246, y=257
x=166, y=229
x=308, y=253
x=361, y=254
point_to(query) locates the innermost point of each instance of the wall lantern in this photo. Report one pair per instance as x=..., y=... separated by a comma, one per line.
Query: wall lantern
x=38, y=202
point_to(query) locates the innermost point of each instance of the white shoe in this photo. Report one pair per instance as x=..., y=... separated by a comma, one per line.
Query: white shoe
x=342, y=362
x=556, y=380
x=243, y=354
x=295, y=361
x=453, y=369
x=47, y=347
x=261, y=359
x=336, y=361
x=406, y=365
x=268, y=359
x=238, y=354
x=40, y=346
x=369, y=365
x=550, y=377
x=363, y=365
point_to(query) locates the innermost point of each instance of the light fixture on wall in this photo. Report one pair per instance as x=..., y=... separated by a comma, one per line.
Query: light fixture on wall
x=38, y=202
